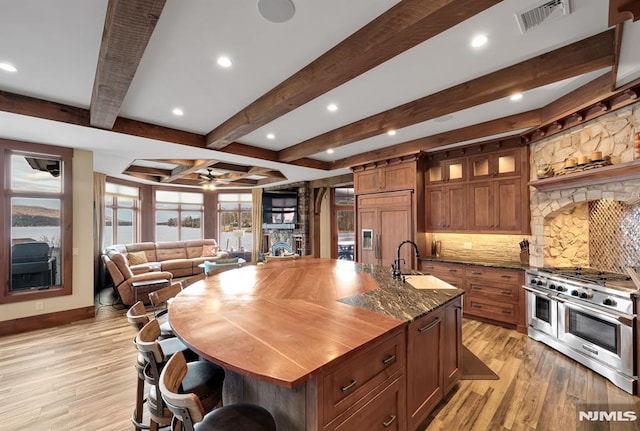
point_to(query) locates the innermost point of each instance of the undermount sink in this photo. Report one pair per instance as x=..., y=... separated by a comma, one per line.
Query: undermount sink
x=427, y=282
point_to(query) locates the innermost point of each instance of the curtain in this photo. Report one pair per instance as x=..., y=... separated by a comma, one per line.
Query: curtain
x=99, y=181
x=256, y=217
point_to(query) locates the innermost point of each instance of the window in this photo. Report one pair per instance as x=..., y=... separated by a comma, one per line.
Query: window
x=121, y=214
x=179, y=215
x=36, y=207
x=235, y=221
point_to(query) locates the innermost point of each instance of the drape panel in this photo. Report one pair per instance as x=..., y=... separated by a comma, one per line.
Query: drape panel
x=99, y=181
x=256, y=216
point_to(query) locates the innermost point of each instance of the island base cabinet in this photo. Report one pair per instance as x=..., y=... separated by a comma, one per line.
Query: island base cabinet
x=434, y=360
x=382, y=412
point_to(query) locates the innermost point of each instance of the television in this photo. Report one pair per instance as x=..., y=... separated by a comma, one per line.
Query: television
x=280, y=209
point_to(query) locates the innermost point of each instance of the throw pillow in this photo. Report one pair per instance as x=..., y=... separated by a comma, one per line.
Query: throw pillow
x=137, y=257
x=209, y=250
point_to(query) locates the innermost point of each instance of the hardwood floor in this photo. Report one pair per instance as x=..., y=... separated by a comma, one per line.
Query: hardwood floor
x=81, y=376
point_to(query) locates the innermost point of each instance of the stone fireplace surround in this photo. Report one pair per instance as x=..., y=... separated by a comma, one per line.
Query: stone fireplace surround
x=560, y=219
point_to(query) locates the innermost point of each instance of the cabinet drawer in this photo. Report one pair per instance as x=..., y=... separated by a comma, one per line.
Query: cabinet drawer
x=481, y=307
x=382, y=412
x=361, y=373
x=499, y=275
x=492, y=291
x=452, y=274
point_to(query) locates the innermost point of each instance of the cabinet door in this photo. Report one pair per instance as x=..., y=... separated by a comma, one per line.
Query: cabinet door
x=507, y=205
x=399, y=177
x=367, y=181
x=452, y=362
x=424, y=367
x=435, y=210
x=367, y=221
x=456, y=205
x=481, y=211
x=395, y=227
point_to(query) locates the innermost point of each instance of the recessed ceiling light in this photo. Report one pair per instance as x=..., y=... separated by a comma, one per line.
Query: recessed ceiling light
x=277, y=11
x=330, y=151
x=332, y=107
x=177, y=111
x=516, y=96
x=271, y=136
x=224, y=62
x=443, y=119
x=479, y=40
x=8, y=67
x=391, y=132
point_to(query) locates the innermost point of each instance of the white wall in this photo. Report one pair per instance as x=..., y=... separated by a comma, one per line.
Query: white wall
x=82, y=241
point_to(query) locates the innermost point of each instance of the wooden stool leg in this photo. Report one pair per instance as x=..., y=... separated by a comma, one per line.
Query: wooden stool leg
x=137, y=413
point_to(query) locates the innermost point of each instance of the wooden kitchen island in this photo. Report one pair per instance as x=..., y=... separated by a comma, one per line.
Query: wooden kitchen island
x=325, y=344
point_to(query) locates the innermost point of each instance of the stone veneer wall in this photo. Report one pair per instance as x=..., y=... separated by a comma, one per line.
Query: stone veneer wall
x=302, y=227
x=613, y=135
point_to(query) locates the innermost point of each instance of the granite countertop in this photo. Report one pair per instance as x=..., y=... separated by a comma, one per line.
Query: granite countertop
x=491, y=263
x=397, y=299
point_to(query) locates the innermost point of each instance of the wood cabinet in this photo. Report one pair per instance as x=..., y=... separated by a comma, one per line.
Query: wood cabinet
x=384, y=220
x=488, y=194
x=385, y=178
x=496, y=206
x=434, y=344
x=446, y=208
x=491, y=294
x=367, y=391
x=494, y=294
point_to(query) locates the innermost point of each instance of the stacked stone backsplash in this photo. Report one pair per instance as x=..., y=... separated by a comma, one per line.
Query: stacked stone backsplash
x=495, y=248
x=570, y=227
x=302, y=227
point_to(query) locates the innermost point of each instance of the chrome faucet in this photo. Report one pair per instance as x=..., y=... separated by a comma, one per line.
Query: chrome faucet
x=395, y=266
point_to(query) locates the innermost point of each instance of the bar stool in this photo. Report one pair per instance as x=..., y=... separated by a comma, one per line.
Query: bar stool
x=137, y=317
x=192, y=414
x=201, y=378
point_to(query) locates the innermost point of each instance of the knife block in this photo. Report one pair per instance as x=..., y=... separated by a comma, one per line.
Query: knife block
x=524, y=257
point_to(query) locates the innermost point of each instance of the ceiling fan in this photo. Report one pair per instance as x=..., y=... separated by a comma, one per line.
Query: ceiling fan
x=210, y=181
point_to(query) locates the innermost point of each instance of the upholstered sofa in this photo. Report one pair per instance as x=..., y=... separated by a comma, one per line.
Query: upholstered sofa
x=139, y=268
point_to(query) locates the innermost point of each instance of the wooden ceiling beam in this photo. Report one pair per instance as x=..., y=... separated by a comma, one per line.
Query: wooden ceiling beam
x=127, y=29
x=402, y=27
x=581, y=57
x=501, y=125
x=623, y=10
x=187, y=169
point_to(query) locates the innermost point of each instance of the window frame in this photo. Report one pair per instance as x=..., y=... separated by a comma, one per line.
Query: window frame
x=178, y=210
x=136, y=208
x=239, y=211
x=65, y=155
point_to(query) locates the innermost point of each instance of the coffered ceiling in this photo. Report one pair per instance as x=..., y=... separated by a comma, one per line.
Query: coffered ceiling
x=401, y=76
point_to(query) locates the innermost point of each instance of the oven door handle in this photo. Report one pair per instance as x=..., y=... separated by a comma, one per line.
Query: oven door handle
x=625, y=319
x=539, y=293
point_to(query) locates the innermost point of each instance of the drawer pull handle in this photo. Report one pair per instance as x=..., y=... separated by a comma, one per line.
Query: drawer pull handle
x=388, y=423
x=505, y=292
x=476, y=272
x=453, y=270
x=349, y=386
x=505, y=276
x=391, y=359
x=476, y=288
x=476, y=305
x=429, y=326
x=506, y=312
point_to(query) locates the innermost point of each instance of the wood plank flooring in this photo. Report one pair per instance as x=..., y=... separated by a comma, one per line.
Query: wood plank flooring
x=81, y=376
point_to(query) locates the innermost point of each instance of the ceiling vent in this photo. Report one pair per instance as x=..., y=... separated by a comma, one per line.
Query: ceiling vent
x=547, y=11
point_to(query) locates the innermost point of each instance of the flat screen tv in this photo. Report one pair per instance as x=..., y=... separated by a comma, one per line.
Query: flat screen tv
x=280, y=209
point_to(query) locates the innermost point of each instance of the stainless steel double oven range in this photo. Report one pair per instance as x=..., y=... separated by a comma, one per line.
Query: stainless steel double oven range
x=588, y=315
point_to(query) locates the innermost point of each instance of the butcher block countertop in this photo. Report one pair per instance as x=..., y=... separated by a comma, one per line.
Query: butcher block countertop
x=284, y=322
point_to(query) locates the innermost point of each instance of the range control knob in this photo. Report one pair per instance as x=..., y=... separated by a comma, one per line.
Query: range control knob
x=609, y=301
x=539, y=282
x=560, y=288
x=585, y=295
x=575, y=293
x=552, y=286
